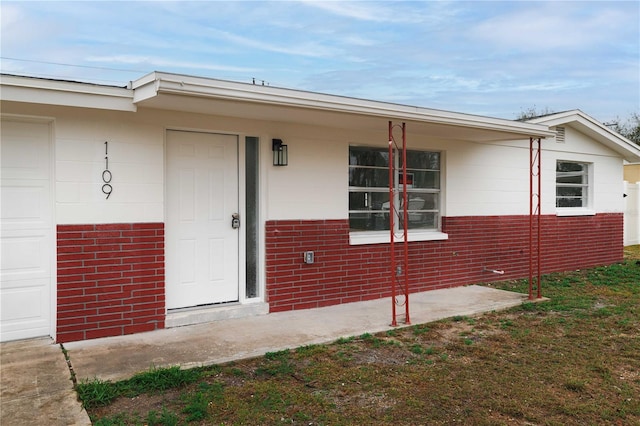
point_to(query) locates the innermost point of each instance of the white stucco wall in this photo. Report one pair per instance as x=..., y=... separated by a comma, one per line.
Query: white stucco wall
x=315, y=183
x=493, y=179
x=478, y=178
x=136, y=162
x=606, y=171
x=308, y=188
x=487, y=179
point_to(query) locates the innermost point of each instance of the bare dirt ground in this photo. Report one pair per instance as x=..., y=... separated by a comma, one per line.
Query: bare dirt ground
x=571, y=361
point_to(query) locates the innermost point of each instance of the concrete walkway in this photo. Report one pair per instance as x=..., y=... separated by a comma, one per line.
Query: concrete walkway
x=36, y=387
x=35, y=378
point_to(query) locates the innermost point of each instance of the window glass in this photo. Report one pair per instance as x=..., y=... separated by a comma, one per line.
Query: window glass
x=369, y=177
x=364, y=200
x=572, y=184
x=422, y=179
x=252, y=149
x=376, y=157
x=422, y=160
x=369, y=189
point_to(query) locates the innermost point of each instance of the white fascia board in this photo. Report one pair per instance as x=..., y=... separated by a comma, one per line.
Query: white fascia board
x=588, y=125
x=65, y=93
x=145, y=87
x=158, y=83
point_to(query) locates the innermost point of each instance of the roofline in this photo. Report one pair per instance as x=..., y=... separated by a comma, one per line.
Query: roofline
x=66, y=93
x=629, y=150
x=78, y=94
x=156, y=83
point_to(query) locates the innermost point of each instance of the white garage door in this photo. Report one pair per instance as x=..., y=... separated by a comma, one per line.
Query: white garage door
x=26, y=242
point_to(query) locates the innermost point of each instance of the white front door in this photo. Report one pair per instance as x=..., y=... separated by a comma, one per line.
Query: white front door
x=26, y=241
x=202, y=195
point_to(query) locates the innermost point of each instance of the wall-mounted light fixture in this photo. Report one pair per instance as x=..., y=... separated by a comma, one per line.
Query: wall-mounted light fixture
x=280, y=153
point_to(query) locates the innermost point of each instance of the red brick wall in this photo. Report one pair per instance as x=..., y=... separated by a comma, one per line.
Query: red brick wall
x=343, y=273
x=110, y=280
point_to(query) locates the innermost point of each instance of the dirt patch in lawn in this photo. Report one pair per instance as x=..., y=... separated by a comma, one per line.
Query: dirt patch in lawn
x=572, y=360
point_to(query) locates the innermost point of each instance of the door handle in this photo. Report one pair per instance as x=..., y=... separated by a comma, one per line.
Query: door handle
x=235, y=221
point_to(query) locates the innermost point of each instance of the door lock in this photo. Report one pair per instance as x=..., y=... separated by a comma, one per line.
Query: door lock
x=235, y=221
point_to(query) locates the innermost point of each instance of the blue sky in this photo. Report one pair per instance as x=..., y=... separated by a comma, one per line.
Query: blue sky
x=478, y=57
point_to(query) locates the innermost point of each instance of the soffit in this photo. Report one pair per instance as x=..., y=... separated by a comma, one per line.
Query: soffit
x=216, y=97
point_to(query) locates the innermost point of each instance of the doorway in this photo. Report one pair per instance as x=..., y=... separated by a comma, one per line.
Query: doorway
x=202, y=242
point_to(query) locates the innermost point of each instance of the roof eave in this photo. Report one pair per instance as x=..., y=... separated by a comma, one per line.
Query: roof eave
x=65, y=93
x=165, y=83
x=586, y=124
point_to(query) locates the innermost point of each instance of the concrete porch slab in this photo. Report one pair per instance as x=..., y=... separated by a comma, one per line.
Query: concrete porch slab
x=35, y=379
x=117, y=358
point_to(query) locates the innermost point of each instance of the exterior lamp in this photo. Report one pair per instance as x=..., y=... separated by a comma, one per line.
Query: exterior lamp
x=280, y=153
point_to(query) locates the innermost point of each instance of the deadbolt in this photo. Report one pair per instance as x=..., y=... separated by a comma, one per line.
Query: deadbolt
x=235, y=221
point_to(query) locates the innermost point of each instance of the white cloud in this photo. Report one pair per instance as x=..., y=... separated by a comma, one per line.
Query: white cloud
x=155, y=61
x=365, y=11
x=10, y=16
x=310, y=49
x=548, y=26
x=19, y=28
x=457, y=55
x=390, y=12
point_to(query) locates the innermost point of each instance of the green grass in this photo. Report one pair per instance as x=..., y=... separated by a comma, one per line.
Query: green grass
x=571, y=360
x=196, y=403
x=276, y=364
x=96, y=393
x=153, y=418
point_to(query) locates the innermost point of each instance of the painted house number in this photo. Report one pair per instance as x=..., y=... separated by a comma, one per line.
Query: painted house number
x=107, y=189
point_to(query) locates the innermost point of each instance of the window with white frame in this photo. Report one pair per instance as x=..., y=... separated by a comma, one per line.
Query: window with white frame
x=572, y=184
x=369, y=189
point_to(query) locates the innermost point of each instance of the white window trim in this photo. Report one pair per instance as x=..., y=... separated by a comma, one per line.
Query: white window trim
x=587, y=210
x=384, y=237
x=575, y=211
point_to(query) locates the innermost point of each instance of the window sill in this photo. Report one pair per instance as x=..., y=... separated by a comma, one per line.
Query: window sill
x=383, y=237
x=575, y=211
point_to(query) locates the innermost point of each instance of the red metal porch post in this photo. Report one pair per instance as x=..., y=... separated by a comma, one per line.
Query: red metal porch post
x=535, y=215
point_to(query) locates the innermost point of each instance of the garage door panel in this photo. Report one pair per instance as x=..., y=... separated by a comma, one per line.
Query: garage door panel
x=25, y=160
x=26, y=302
x=24, y=257
x=25, y=311
x=26, y=205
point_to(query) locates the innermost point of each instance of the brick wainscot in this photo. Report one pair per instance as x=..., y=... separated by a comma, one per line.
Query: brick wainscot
x=111, y=276
x=342, y=273
x=110, y=280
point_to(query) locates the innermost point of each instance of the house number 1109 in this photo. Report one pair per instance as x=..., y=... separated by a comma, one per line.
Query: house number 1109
x=107, y=189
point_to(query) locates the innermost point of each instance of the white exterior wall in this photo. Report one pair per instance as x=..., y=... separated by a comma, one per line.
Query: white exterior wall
x=136, y=162
x=493, y=179
x=606, y=173
x=313, y=186
x=487, y=179
x=478, y=178
x=306, y=189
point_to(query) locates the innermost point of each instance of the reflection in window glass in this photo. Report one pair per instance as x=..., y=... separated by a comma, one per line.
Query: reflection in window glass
x=251, y=221
x=572, y=184
x=369, y=189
